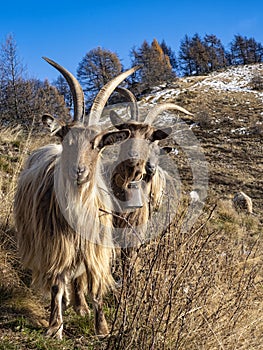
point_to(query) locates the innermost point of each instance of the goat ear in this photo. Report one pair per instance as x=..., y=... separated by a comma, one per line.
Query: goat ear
x=116, y=120
x=110, y=138
x=161, y=134
x=53, y=125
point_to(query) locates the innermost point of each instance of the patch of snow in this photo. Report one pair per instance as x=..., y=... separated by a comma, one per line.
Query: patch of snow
x=175, y=151
x=164, y=95
x=232, y=79
x=240, y=131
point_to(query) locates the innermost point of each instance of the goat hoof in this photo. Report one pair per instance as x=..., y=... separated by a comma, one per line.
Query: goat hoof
x=102, y=331
x=55, y=332
x=82, y=310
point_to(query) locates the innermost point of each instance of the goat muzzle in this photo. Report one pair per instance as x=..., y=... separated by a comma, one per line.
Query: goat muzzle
x=80, y=174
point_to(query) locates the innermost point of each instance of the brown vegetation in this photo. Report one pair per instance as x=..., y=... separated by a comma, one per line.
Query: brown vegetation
x=200, y=289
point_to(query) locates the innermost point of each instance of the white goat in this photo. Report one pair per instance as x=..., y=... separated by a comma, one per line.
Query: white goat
x=62, y=206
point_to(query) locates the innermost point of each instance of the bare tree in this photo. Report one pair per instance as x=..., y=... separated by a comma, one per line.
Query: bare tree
x=216, y=52
x=22, y=100
x=62, y=86
x=246, y=51
x=12, y=73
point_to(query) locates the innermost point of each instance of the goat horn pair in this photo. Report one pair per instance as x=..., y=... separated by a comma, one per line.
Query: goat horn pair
x=104, y=94
x=154, y=112
x=101, y=98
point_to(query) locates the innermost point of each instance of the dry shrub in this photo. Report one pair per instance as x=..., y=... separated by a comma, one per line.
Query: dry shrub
x=203, y=118
x=15, y=145
x=256, y=81
x=196, y=290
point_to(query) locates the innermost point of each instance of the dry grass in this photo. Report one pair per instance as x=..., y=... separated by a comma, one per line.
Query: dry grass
x=200, y=290
x=16, y=299
x=197, y=290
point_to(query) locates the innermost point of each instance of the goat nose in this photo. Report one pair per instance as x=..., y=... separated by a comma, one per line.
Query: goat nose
x=150, y=168
x=81, y=169
x=133, y=154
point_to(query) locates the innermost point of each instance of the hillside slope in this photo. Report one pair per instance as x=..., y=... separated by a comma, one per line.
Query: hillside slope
x=228, y=123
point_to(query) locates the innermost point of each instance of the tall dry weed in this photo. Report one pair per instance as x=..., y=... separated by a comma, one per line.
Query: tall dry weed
x=196, y=290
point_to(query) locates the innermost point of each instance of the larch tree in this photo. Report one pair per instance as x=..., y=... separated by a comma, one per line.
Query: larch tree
x=170, y=53
x=96, y=68
x=199, y=55
x=245, y=50
x=156, y=66
x=186, y=61
x=216, y=52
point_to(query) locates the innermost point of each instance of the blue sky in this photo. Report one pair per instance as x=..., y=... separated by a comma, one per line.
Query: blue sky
x=66, y=30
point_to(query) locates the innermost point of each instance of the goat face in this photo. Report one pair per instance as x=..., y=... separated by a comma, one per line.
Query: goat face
x=140, y=149
x=81, y=147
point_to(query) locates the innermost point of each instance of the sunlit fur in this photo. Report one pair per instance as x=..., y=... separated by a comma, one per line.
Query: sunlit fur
x=155, y=186
x=48, y=245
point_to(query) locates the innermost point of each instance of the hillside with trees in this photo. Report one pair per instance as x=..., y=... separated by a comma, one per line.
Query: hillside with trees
x=23, y=98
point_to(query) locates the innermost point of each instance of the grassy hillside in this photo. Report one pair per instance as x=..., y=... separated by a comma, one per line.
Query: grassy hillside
x=200, y=289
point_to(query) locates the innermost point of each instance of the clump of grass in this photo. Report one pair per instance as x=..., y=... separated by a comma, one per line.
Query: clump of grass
x=203, y=119
x=256, y=81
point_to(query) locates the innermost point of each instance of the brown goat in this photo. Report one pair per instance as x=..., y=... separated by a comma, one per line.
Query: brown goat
x=134, y=166
x=61, y=208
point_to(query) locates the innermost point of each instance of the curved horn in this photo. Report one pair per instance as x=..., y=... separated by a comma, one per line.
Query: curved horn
x=153, y=113
x=75, y=88
x=104, y=94
x=130, y=97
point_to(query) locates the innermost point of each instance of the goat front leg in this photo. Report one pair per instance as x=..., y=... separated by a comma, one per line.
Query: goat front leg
x=79, y=301
x=101, y=327
x=55, y=327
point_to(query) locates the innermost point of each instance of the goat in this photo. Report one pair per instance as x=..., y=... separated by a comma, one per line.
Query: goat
x=61, y=209
x=135, y=166
x=243, y=202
